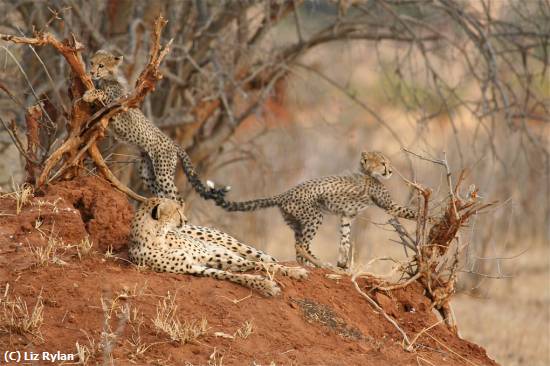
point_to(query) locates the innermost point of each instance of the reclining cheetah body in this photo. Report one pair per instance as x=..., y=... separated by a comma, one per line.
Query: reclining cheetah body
x=162, y=240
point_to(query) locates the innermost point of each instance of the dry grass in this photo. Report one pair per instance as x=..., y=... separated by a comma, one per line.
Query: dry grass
x=168, y=323
x=50, y=253
x=15, y=316
x=22, y=195
x=55, y=249
x=116, y=315
x=510, y=318
x=138, y=346
x=215, y=359
x=40, y=203
x=113, y=309
x=245, y=330
x=84, y=248
x=109, y=253
x=84, y=353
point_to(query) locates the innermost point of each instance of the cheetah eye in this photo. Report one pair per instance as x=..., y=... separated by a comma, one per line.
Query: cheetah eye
x=91, y=63
x=100, y=66
x=155, y=212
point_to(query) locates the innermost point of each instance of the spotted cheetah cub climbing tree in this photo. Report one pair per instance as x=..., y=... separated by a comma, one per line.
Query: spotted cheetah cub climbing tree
x=303, y=206
x=159, y=153
x=162, y=239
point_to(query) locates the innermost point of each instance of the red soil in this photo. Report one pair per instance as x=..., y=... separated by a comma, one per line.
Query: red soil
x=318, y=321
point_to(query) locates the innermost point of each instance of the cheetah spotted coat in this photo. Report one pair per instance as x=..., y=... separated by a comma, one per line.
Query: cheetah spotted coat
x=160, y=154
x=162, y=239
x=303, y=206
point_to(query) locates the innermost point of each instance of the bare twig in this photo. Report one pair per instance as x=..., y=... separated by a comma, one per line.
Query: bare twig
x=407, y=343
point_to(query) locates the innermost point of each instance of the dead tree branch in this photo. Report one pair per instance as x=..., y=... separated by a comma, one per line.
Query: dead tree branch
x=32, y=118
x=86, y=130
x=435, y=264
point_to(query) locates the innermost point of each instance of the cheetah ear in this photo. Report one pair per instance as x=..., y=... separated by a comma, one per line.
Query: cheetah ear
x=365, y=163
x=183, y=218
x=155, y=212
x=365, y=156
x=118, y=59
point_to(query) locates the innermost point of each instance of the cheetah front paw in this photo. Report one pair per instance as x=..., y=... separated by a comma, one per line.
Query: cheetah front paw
x=270, y=288
x=90, y=96
x=93, y=95
x=298, y=273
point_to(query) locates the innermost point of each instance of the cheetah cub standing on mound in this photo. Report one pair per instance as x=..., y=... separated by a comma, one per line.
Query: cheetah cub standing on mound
x=303, y=206
x=159, y=153
x=162, y=239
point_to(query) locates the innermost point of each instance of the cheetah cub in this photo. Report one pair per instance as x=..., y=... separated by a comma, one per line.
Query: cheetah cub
x=159, y=153
x=162, y=239
x=302, y=207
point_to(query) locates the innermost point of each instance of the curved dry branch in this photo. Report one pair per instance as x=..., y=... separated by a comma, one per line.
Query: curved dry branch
x=70, y=49
x=86, y=130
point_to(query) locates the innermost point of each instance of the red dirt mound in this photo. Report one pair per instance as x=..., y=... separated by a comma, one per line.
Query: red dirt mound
x=105, y=212
x=109, y=306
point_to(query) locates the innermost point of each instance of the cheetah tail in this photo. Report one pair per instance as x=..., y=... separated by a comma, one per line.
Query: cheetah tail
x=205, y=192
x=247, y=205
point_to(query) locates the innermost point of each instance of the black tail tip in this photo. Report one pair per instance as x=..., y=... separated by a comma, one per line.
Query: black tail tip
x=217, y=194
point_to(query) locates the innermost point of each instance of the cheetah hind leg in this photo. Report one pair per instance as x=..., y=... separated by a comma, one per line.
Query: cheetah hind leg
x=222, y=258
x=302, y=252
x=304, y=232
x=264, y=285
x=164, y=165
x=147, y=173
x=247, y=251
x=304, y=256
x=230, y=243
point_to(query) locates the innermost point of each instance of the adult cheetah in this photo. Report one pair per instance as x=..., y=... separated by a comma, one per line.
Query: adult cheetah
x=302, y=206
x=162, y=239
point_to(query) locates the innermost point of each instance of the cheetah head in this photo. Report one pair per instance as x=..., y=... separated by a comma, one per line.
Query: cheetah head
x=375, y=164
x=104, y=65
x=166, y=212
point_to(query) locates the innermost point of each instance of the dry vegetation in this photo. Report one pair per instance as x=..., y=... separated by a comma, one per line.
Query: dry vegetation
x=16, y=317
x=167, y=322
x=263, y=94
